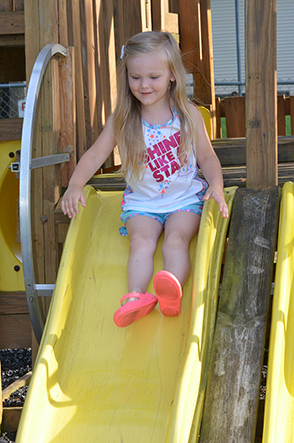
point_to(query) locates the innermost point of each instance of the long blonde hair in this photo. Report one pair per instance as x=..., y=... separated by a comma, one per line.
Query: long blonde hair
x=127, y=115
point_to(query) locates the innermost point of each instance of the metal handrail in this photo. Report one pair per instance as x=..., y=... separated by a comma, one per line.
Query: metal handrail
x=35, y=310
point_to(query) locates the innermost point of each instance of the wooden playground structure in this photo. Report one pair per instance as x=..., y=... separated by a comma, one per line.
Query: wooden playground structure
x=78, y=94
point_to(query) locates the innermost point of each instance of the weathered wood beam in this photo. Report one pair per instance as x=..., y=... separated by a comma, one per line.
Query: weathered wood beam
x=232, y=396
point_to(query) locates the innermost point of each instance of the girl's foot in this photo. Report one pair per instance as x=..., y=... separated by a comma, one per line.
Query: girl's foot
x=136, y=306
x=169, y=293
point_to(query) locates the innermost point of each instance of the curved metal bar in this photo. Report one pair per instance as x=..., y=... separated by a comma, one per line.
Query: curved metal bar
x=39, y=68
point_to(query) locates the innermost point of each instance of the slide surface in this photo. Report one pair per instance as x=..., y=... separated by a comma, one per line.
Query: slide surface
x=95, y=382
x=279, y=405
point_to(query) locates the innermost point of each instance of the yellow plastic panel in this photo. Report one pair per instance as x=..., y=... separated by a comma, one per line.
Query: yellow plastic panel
x=207, y=119
x=11, y=273
x=279, y=405
x=95, y=382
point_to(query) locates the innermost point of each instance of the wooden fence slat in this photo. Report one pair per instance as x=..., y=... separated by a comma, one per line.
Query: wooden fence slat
x=281, y=115
x=235, y=116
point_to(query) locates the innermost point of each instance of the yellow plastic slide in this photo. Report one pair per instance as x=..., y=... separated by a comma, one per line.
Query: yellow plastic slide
x=95, y=382
x=279, y=405
x=11, y=273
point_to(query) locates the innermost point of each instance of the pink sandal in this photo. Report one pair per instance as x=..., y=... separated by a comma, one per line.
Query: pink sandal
x=169, y=293
x=133, y=310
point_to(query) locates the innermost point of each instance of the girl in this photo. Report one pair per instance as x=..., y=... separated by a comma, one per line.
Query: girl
x=159, y=135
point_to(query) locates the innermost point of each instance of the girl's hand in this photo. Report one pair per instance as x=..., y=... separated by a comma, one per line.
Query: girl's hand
x=70, y=200
x=217, y=193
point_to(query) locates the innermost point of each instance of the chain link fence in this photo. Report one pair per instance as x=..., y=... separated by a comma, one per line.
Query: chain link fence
x=226, y=88
x=12, y=100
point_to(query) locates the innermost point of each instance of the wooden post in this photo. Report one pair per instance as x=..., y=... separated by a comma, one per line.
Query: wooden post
x=196, y=46
x=232, y=396
x=261, y=93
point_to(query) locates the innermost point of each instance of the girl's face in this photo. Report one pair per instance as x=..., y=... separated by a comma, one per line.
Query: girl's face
x=149, y=77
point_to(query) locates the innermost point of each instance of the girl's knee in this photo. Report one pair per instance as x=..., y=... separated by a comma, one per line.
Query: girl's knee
x=142, y=242
x=175, y=240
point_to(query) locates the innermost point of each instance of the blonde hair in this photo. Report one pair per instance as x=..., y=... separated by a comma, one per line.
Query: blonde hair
x=127, y=115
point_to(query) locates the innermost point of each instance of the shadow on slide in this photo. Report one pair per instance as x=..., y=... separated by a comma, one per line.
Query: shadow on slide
x=95, y=382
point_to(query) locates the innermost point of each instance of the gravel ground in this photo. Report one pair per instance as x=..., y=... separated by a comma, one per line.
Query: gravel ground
x=14, y=364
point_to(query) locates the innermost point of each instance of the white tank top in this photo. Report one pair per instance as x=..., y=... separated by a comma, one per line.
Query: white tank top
x=165, y=186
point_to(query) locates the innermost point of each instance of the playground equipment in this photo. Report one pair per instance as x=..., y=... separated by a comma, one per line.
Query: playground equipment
x=156, y=387
x=96, y=382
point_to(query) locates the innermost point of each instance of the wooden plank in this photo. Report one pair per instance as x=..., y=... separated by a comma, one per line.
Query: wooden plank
x=11, y=417
x=15, y=331
x=233, y=176
x=235, y=117
x=156, y=15
x=281, y=115
x=172, y=23
x=18, y=5
x=50, y=131
x=190, y=33
x=19, y=383
x=232, y=396
x=10, y=129
x=233, y=151
x=12, y=23
x=218, y=133
x=11, y=5
x=13, y=303
x=79, y=84
x=67, y=114
x=261, y=93
x=207, y=69
x=87, y=38
x=12, y=40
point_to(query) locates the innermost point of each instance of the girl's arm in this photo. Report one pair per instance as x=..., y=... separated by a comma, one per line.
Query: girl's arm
x=89, y=163
x=210, y=165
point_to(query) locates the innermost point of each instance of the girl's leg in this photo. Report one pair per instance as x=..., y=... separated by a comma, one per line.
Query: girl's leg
x=144, y=233
x=180, y=228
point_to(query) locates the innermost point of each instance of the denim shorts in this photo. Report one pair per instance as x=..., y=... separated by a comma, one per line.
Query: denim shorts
x=196, y=208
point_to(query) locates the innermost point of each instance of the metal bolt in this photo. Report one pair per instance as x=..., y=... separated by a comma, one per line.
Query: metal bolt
x=43, y=219
x=16, y=268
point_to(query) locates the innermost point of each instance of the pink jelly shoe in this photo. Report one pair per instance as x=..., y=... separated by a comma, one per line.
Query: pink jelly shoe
x=169, y=293
x=141, y=306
